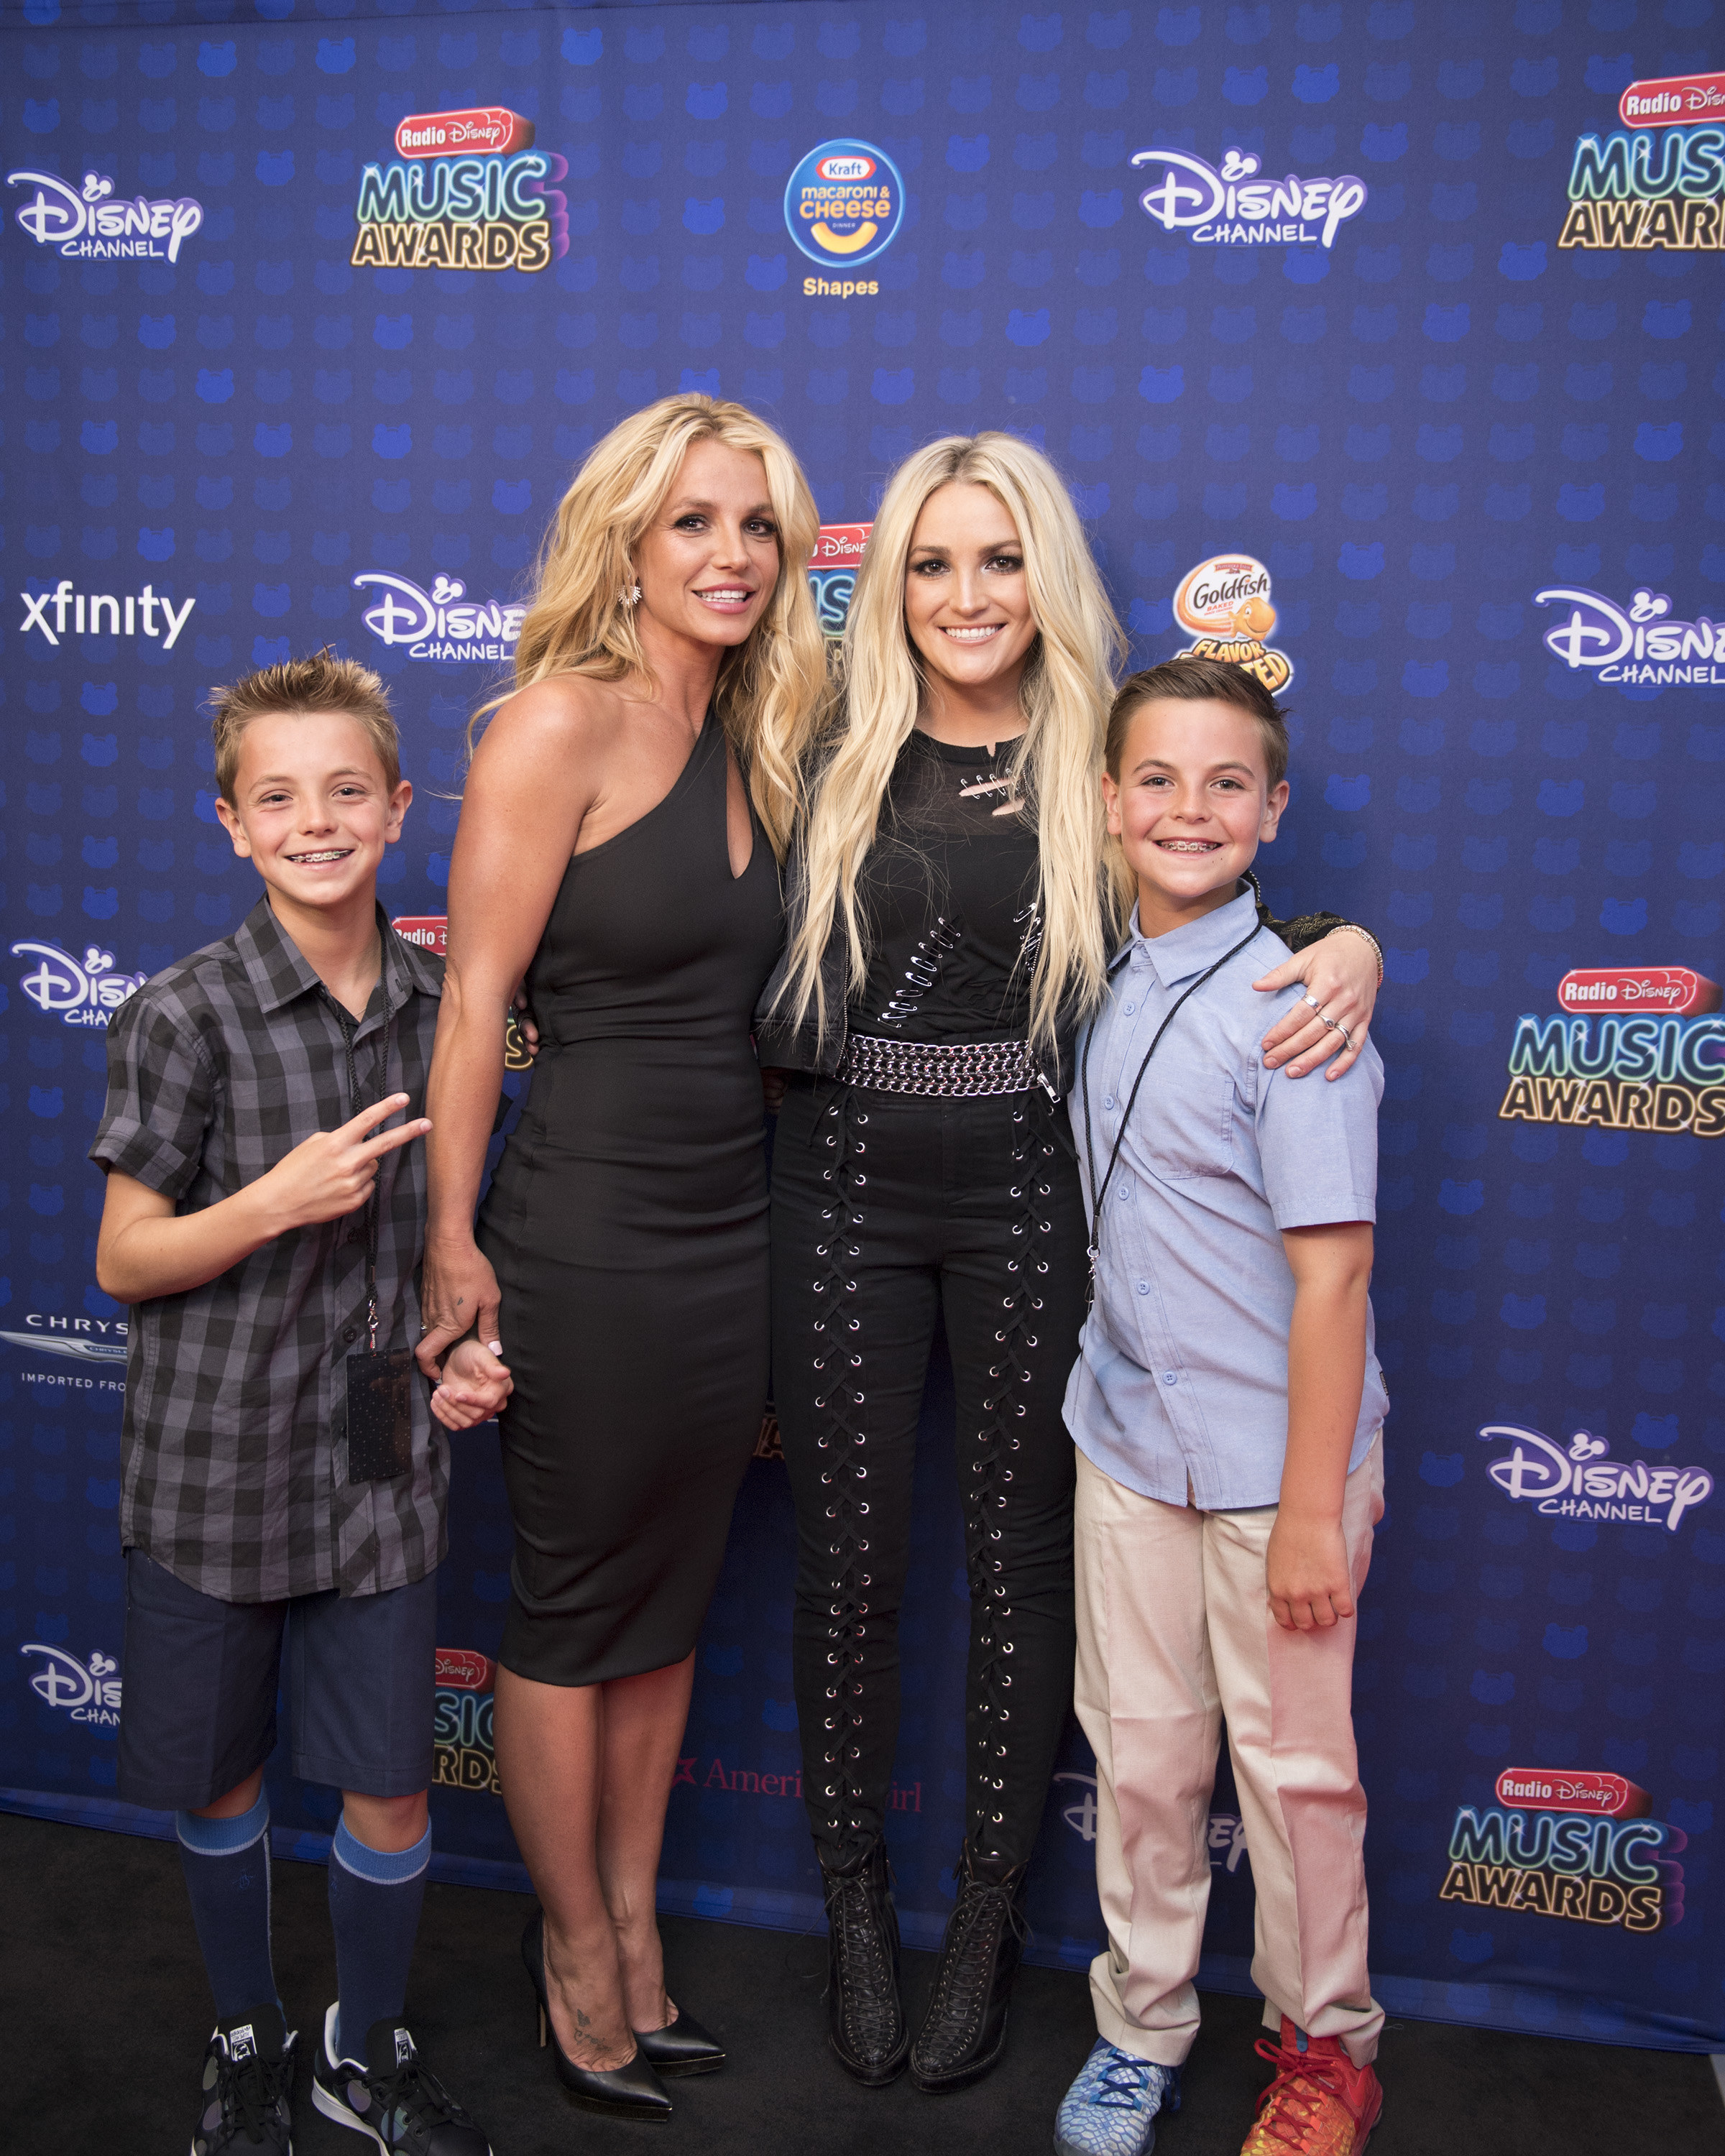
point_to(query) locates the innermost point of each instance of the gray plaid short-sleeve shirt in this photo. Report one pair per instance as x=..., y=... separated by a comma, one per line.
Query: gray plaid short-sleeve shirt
x=235, y=1457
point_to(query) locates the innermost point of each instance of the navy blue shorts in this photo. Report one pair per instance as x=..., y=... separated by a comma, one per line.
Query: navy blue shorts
x=200, y=1679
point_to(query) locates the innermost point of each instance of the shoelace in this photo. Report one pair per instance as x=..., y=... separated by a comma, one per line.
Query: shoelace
x=866, y=1965
x=248, y=2092
x=408, y=2095
x=984, y=1913
x=1122, y=2095
x=1283, y=2098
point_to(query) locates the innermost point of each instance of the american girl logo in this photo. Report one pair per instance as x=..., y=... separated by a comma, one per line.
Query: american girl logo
x=1582, y=1483
x=1231, y=207
x=1641, y=645
x=92, y=222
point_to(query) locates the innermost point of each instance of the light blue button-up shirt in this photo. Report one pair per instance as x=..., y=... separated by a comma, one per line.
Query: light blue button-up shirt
x=1182, y=1377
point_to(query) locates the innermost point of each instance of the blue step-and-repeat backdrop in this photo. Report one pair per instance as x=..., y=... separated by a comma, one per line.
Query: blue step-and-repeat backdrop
x=1379, y=340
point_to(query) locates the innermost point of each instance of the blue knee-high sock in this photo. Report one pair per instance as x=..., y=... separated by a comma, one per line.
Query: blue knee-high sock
x=227, y=1866
x=374, y=1905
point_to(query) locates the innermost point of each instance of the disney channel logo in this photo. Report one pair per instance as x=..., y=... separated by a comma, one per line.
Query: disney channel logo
x=1582, y=1483
x=443, y=623
x=85, y=991
x=1640, y=645
x=92, y=222
x=1229, y=206
x=87, y=1692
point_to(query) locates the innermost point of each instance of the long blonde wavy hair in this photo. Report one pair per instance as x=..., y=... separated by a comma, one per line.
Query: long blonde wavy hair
x=772, y=689
x=1055, y=768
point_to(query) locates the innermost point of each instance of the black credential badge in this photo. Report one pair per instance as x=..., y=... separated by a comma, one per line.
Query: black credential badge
x=380, y=1400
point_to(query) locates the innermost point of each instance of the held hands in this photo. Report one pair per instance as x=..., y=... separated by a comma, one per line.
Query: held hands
x=458, y=1295
x=476, y=1385
x=1340, y=977
x=331, y=1173
x=1305, y=1569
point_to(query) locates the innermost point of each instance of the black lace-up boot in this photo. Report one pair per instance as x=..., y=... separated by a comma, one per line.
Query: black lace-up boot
x=865, y=2020
x=964, y=2032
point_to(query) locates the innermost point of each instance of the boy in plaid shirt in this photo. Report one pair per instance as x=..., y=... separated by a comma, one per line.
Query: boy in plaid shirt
x=282, y=1476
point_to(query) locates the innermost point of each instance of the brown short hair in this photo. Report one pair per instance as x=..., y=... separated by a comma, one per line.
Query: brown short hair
x=1191, y=680
x=296, y=688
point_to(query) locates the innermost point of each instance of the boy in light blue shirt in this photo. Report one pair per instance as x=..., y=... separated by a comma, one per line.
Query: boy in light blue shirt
x=1226, y=1406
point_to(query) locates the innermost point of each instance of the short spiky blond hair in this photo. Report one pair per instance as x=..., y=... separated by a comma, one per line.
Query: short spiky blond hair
x=296, y=688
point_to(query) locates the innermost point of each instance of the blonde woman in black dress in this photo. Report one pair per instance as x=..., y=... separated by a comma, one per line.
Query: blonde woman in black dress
x=619, y=845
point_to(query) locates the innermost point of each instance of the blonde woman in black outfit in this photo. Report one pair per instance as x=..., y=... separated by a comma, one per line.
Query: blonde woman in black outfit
x=950, y=922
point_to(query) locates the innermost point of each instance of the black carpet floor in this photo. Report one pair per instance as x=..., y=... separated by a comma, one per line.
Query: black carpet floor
x=106, y=2013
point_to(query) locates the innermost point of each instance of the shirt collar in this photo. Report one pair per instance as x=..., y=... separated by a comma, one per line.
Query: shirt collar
x=1184, y=951
x=279, y=971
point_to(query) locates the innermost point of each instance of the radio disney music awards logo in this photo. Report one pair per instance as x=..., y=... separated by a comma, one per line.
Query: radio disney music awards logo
x=85, y=991
x=466, y=191
x=87, y=1692
x=442, y=625
x=1579, y=1845
x=1632, y=1048
x=1580, y=1481
x=843, y=205
x=832, y=572
x=1662, y=183
x=1224, y=602
x=104, y=613
x=462, y=1753
x=94, y=223
x=1640, y=645
x=1230, y=206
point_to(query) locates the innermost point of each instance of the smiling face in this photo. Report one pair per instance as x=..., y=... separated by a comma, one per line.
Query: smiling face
x=313, y=809
x=966, y=601
x=710, y=561
x=1191, y=804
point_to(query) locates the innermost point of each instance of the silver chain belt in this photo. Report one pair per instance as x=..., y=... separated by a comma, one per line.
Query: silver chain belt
x=919, y=1066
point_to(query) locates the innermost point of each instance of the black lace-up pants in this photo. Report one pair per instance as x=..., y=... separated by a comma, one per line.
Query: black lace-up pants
x=886, y=1208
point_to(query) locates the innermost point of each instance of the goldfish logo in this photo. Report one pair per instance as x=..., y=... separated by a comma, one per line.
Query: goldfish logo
x=845, y=203
x=1224, y=602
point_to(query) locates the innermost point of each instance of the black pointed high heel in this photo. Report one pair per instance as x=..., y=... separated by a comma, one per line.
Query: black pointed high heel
x=634, y=2091
x=682, y=2046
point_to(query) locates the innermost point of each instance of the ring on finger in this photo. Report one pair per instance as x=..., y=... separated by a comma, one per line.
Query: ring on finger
x=1309, y=997
x=1346, y=1035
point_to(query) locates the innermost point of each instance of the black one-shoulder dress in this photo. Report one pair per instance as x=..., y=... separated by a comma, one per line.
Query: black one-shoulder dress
x=627, y=1223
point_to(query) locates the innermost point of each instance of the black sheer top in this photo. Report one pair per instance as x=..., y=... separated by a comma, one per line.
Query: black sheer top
x=949, y=893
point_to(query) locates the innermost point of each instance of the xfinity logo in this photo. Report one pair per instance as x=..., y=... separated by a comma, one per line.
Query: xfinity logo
x=100, y=614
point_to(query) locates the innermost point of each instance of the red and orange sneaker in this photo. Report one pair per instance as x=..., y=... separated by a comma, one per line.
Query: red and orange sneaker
x=1320, y=2103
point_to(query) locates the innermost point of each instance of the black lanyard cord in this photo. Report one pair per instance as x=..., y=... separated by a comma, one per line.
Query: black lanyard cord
x=1096, y=1233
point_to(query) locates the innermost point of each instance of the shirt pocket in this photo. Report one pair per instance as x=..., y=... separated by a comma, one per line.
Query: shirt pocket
x=1185, y=1123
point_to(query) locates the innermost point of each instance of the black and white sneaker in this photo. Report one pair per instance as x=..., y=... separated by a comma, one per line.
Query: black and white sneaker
x=406, y=2111
x=247, y=2073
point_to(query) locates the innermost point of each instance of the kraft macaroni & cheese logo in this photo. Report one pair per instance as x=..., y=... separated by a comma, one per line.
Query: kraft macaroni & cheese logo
x=1632, y=1048
x=1640, y=645
x=1575, y=1845
x=465, y=190
x=88, y=1691
x=832, y=572
x=1224, y=602
x=92, y=222
x=1230, y=206
x=85, y=991
x=1659, y=183
x=442, y=625
x=1581, y=1482
x=843, y=205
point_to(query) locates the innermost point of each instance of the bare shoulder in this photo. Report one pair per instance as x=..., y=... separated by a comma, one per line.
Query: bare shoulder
x=570, y=718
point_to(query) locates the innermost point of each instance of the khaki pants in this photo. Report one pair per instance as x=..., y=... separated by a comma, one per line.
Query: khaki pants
x=1175, y=1631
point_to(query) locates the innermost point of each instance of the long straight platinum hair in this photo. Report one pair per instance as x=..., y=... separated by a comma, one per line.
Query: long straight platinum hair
x=1056, y=767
